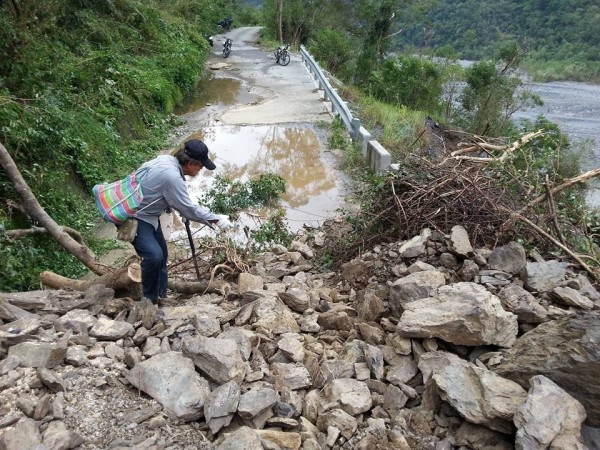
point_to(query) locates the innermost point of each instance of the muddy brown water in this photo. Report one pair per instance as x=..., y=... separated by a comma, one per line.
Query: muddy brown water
x=315, y=187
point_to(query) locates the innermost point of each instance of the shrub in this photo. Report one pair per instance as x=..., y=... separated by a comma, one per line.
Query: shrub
x=408, y=81
x=334, y=50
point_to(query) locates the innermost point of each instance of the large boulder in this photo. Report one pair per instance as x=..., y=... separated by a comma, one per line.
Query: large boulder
x=462, y=313
x=541, y=424
x=480, y=396
x=566, y=351
x=170, y=378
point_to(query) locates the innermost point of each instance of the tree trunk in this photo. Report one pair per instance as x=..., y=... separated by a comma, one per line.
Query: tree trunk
x=122, y=278
x=126, y=277
x=36, y=212
x=280, y=21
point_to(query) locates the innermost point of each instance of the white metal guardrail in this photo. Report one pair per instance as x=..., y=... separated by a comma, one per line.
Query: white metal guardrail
x=378, y=158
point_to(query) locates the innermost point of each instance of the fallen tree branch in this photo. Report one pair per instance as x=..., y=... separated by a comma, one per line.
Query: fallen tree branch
x=548, y=236
x=570, y=182
x=515, y=146
x=14, y=205
x=213, y=272
x=552, y=208
x=36, y=212
x=477, y=147
x=21, y=233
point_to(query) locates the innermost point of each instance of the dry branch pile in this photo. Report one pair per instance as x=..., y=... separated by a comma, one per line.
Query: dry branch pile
x=439, y=196
x=455, y=193
x=218, y=258
x=463, y=188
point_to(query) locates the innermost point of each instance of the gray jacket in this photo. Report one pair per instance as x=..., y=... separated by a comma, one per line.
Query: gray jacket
x=163, y=186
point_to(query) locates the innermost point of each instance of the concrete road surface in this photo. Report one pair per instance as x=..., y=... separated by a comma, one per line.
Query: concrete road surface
x=288, y=94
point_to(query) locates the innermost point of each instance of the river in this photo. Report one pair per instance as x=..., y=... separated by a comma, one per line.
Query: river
x=575, y=108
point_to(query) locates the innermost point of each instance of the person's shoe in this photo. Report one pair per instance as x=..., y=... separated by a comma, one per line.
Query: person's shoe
x=165, y=302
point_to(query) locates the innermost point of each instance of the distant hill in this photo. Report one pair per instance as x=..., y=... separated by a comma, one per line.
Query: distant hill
x=566, y=31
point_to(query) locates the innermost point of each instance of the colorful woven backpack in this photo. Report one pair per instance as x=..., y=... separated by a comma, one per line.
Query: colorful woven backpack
x=120, y=200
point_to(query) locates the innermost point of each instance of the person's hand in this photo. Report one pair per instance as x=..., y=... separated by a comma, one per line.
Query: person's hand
x=223, y=223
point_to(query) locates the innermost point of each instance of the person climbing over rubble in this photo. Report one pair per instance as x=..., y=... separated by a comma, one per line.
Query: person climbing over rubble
x=164, y=188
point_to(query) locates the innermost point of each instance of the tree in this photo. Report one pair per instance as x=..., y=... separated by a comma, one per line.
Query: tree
x=491, y=96
x=379, y=18
x=334, y=49
x=279, y=21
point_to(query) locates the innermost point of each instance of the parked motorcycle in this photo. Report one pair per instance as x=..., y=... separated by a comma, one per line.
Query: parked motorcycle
x=227, y=47
x=282, y=55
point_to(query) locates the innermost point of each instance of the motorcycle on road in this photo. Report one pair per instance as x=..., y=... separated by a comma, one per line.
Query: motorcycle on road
x=227, y=47
x=282, y=55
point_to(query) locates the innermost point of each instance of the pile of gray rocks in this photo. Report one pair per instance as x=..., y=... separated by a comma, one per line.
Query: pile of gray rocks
x=419, y=344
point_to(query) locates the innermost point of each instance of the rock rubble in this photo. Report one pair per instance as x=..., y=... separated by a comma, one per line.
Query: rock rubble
x=420, y=344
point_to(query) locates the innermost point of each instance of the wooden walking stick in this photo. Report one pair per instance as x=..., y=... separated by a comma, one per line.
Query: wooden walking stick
x=189, y=233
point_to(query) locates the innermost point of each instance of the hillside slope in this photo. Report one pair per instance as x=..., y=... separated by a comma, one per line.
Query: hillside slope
x=564, y=34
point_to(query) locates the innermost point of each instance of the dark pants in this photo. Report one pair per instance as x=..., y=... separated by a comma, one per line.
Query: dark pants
x=151, y=246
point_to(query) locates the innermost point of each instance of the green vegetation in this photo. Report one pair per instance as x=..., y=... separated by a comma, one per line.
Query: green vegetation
x=399, y=96
x=491, y=94
x=338, y=136
x=408, y=81
x=87, y=90
x=233, y=197
x=396, y=128
x=551, y=160
x=272, y=231
x=334, y=50
x=562, y=37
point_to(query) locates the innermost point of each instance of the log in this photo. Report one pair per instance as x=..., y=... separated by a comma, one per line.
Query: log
x=477, y=148
x=125, y=277
x=121, y=278
x=593, y=273
x=568, y=183
x=526, y=138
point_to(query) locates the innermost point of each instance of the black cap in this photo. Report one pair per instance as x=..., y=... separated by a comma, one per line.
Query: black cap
x=198, y=150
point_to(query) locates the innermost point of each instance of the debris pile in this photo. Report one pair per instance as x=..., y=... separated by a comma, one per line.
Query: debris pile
x=421, y=343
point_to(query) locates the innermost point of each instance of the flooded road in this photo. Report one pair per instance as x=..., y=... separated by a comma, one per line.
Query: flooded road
x=258, y=117
x=293, y=152
x=575, y=107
